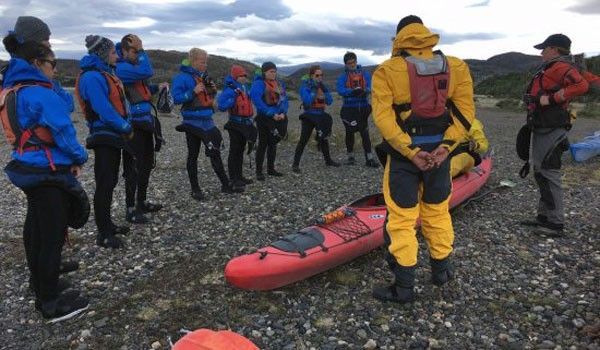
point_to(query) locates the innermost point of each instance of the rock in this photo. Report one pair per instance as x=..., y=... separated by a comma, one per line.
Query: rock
x=256, y=334
x=86, y=333
x=578, y=322
x=156, y=345
x=370, y=344
x=361, y=333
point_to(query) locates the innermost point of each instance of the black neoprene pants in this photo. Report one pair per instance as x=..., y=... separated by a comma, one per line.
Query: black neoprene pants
x=106, y=173
x=235, y=161
x=137, y=176
x=44, y=236
x=193, y=145
x=305, y=132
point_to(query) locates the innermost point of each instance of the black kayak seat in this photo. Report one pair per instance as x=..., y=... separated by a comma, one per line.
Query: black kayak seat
x=299, y=242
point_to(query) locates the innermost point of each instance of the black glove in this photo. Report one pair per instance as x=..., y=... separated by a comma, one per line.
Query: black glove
x=357, y=92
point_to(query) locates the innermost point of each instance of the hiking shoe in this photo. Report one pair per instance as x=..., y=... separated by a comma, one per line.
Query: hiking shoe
x=67, y=266
x=332, y=163
x=372, y=163
x=260, y=177
x=350, y=161
x=63, y=308
x=149, y=207
x=238, y=186
x=274, y=172
x=539, y=220
x=227, y=189
x=198, y=195
x=394, y=293
x=135, y=216
x=247, y=181
x=120, y=230
x=543, y=230
x=296, y=169
x=110, y=241
x=67, y=294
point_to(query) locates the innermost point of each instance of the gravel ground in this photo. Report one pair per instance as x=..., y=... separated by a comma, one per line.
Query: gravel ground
x=512, y=290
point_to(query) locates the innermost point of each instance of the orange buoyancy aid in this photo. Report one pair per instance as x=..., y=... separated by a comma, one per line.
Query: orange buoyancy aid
x=319, y=101
x=243, y=105
x=273, y=92
x=116, y=96
x=203, y=99
x=138, y=92
x=33, y=138
x=355, y=79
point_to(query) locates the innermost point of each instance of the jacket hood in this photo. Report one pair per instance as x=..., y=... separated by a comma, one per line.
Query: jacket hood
x=414, y=37
x=94, y=61
x=21, y=70
x=186, y=68
x=118, y=49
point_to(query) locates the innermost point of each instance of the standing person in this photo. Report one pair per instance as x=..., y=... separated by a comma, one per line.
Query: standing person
x=195, y=91
x=315, y=96
x=45, y=163
x=552, y=88
x=134, y=68
x=354, y=85
x=102, y=99
x=236, y=101
x=419, y=132
x=269, y=97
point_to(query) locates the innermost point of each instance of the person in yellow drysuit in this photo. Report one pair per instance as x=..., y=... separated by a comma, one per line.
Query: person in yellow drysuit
x=423, y=106
x=468, y=154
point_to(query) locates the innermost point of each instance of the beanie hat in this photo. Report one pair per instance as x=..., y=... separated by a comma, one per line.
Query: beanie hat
x=410, y=19
x=349, y=56
x=99, y=45
x=29, y=28
x=237, y=71
x=268, y=66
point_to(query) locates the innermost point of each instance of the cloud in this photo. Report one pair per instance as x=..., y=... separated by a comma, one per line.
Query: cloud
x=585, y=7
x=141, y=22
x=274, y=59
x=480, y=4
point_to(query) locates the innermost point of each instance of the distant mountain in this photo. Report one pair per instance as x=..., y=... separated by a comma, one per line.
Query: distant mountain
x=511, y=62
x=288, y=70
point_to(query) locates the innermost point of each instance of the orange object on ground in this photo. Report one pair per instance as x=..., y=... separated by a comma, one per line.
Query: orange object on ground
x=206, y=339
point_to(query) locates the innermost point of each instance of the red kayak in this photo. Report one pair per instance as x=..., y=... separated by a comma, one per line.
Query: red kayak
x=338, y=237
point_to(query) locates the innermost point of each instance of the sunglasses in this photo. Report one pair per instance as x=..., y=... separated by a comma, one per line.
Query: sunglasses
x=52, y=62
x=318, y=75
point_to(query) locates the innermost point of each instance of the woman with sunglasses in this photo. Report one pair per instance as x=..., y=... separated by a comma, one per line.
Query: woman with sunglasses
x=315, y=96
x=240, y=126
x=45, y=163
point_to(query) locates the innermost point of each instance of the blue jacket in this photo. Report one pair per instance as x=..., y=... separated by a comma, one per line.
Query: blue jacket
x=37, y=105
x=64, y=94
x=227, y=99
x=94, y=89
x=346, y=93
x=308, y=93
x=129, y=73
x=257, y=93
x=183, y=91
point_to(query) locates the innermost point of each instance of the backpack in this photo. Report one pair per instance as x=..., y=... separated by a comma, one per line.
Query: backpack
x=165, y=102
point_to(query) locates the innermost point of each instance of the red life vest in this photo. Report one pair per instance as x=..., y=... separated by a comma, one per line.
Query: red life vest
x=243, y=105
x=272, y=93
x=33, y=138
x=116, y=97
x=355, y=79
x=319, y=101
x=552, y=77
x=138, y=92
x=203, y=99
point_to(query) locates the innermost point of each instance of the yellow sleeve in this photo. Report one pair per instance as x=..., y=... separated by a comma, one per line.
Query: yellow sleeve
x=478, y=136
x=461, y=93
x=384, y=115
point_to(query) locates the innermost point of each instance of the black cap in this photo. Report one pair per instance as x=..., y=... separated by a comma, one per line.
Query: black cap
x=555, y=40
x=410, y=19
x=268, y=66
x=349, y=56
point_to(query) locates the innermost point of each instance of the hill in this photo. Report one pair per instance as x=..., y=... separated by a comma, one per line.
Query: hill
x=288, y=70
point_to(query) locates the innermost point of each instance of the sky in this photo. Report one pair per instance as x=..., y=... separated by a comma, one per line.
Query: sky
x=299, y=31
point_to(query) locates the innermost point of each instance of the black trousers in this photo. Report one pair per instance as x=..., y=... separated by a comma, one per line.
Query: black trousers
x=270, y=132
x=356, y=120
x=194, y=142
x=308, y=124
x=44, y=236
x=235, y=161
x=136, y=171
x=106, y=173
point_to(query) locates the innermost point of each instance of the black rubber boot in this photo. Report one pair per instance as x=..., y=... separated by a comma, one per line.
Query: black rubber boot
x=63, y=306
x=109, y=241
x=198, y=195
x=67, y=266
x=442, y=271
x=402, y=291
x=539, y=220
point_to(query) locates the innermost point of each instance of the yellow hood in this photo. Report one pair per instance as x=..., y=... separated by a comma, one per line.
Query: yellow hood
x=414, y=37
